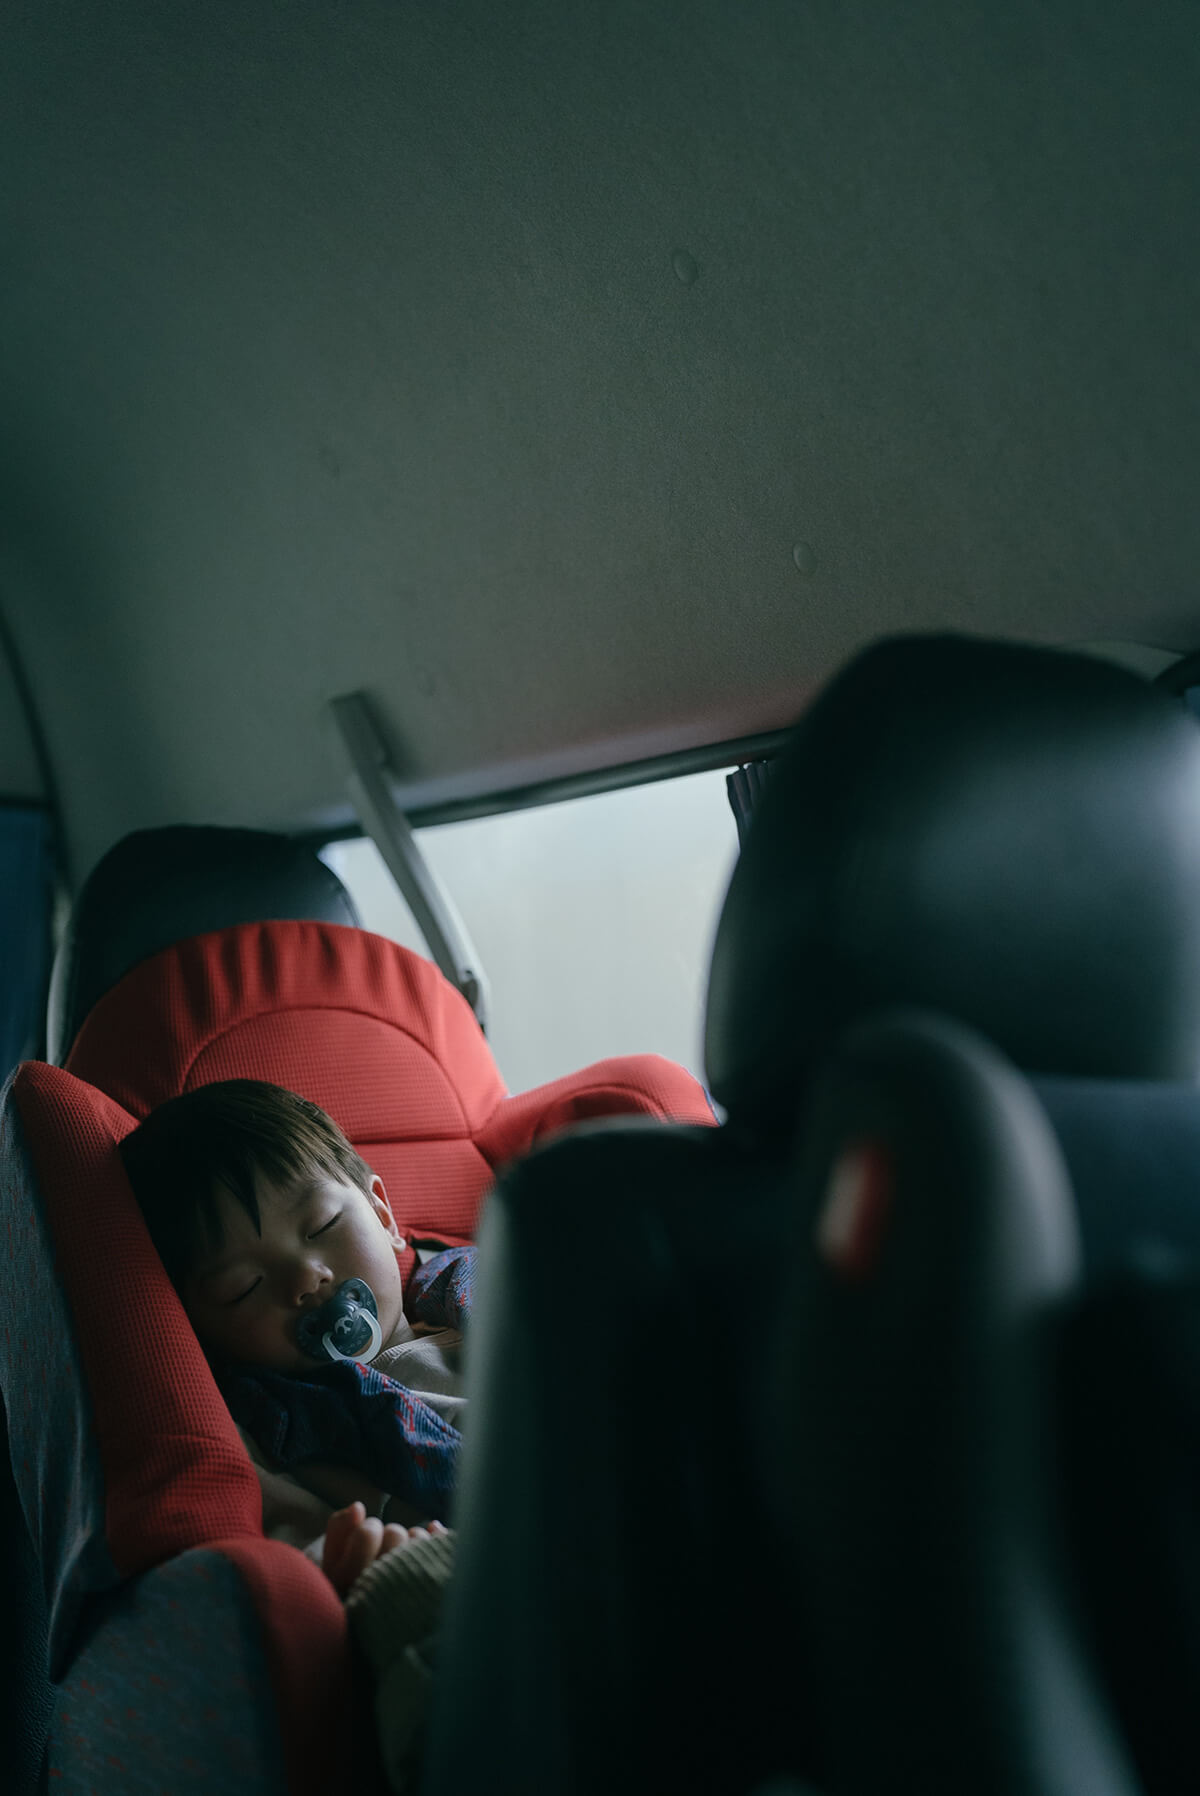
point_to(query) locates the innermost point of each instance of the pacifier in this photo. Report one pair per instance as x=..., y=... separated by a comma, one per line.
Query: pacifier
x=345, y=1326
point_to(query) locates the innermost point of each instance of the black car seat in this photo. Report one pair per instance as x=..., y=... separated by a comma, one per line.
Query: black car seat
x=159, y=886
x=814, y=1477
x=990, y=1345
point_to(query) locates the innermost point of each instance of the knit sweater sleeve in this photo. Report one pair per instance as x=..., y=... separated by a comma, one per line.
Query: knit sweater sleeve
x=440, y=1291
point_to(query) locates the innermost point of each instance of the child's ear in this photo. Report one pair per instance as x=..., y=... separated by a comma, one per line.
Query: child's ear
x=378, y=1198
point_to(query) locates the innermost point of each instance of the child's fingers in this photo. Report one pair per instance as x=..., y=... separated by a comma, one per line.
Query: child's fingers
x=362, y=1549
x=344, y=1558
x=338, y=1531
x=342, y=1524
x=354, y=1540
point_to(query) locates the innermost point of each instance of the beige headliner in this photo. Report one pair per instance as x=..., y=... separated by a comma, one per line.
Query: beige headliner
x=495, y=358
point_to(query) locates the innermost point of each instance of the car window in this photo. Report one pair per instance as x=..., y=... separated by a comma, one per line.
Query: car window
x=593, y=919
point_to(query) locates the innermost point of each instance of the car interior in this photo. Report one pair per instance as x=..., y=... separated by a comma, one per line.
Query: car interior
x=419, y=418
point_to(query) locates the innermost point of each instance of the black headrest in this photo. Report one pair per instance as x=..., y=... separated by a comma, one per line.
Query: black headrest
x=159, y=886
x=1008, y=834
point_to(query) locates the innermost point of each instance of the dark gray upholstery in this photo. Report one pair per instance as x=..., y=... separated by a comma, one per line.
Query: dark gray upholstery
x=916, y=1471
x=870, y=1550
x=609, y=1628
x=159, y=886
x=1008, y=834
x=27, y=1696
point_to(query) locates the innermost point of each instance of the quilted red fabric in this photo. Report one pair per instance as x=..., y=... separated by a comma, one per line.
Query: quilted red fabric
x=375, y=1035
x=371, y=1032
x=175, y=1472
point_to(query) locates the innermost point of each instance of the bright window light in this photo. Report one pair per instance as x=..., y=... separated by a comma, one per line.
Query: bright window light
x=593, y=919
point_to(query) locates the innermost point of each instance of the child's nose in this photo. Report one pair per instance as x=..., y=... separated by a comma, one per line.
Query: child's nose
x=311, y=1284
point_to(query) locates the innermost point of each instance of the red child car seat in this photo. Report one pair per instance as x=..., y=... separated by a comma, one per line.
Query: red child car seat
x=176, y=1643
x=371, y=1032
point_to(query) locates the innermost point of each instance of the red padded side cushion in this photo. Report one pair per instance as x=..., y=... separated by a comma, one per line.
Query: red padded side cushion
x=632, y=1084
x=307, y=1641
x=175, y=1471
x=376, y=1036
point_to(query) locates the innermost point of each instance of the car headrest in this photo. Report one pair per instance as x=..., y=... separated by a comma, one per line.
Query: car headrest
x=160, y=886
x=1007, y=834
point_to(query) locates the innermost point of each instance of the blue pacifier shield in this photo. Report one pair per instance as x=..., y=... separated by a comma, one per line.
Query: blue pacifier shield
x=346, y=1325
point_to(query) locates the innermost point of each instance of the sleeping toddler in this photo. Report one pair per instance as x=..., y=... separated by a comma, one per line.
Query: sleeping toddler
x=282, y=1245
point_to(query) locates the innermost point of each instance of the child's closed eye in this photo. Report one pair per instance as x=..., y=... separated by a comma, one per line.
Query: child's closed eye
x=325, y=1226
x=242, y=1295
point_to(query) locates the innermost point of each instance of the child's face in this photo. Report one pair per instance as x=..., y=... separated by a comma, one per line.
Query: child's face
x=245, y=1299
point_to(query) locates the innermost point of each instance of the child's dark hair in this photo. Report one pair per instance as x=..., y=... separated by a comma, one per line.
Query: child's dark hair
x=223, y=1134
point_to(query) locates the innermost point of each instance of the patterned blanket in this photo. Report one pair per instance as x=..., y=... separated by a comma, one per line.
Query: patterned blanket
x=348, y=1414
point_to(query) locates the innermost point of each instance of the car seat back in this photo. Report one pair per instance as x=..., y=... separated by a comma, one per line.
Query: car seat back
x=1128, y=1409
x=1006, y=834
x=998, y=1372
x=1009, y=839
x=933, y=1253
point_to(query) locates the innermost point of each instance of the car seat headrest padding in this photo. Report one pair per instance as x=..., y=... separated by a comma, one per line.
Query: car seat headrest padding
x=1007, y=834
x=159, y=886
x=371, y=1032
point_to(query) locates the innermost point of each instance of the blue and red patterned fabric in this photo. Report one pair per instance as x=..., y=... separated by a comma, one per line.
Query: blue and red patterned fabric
x=351, y=1415
x=442, y=1291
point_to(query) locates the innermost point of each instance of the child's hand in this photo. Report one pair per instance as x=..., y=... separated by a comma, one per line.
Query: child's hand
x=354, y=1540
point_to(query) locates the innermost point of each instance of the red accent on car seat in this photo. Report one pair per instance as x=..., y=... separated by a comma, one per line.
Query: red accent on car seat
x=175, y=1471
x=371, y=1032
x=854, y=1214
x=375, y=1035
x=645, y=1083
x=308, y=1651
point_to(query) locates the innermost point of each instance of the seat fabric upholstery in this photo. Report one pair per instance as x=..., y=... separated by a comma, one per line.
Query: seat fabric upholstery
x=376, y=1036
x=142, y=1507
